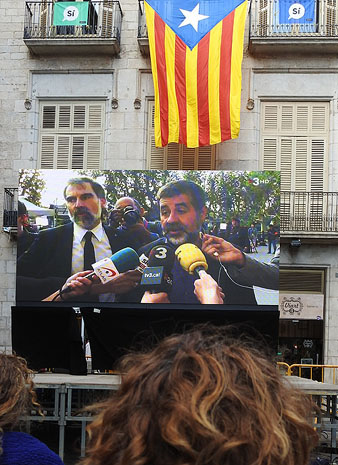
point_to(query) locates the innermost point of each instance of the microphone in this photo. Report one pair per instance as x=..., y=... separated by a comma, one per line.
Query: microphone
x=157, y=276
x=107, y=268
x=191, y=259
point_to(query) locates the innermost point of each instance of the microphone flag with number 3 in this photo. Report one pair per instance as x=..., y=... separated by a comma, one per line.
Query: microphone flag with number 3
x=196, y=50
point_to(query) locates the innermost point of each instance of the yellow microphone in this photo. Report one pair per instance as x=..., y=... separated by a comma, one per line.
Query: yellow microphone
x=191, y=258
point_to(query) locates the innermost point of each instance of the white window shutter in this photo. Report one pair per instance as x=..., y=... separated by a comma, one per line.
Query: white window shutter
x=269, y=145
x=95, y=116
x=49, y=116
x=79, y=116
x=78, y=149
x=301, y=166
x=287, y=118
x=330, y=17
x=302, y=118
x=270, y=118
x=289, y=142
x=64, y=117
x=286, y=163
x=63, y=151
x=94, y=144
x=317, y=164
x=71, y=135
x=47, y=147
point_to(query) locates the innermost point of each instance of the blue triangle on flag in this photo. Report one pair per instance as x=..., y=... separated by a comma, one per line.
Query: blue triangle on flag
x=191, y=20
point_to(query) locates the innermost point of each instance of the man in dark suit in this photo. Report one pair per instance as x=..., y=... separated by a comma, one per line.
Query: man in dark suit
x=60, y=252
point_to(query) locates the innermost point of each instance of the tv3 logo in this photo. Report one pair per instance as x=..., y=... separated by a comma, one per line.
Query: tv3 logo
x=161, y=253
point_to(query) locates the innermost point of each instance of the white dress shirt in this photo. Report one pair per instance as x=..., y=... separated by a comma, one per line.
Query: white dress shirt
x=101, y=247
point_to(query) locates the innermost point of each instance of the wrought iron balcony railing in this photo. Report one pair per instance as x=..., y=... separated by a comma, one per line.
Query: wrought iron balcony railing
x=10, y=218
x=104, y=21
x=310, y=212
x=142, y=31
x=271, y=18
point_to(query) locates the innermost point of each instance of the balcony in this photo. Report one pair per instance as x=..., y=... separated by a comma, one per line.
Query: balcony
x=311, y=215
x=100, y=35
x=142, y=32
x=273, y=31
x=10, y=217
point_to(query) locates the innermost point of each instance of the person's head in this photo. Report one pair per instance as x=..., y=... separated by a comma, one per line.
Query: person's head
x=235, y=222
x=16, y=392
x=136, y=212
x=182, y=211
x=23, y=220
x=85, y=199
x=203, y=397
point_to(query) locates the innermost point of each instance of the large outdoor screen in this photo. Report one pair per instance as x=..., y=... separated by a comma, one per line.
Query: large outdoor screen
x=185, y=238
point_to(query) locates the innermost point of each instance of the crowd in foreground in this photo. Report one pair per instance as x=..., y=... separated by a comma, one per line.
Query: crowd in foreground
x=202, y=397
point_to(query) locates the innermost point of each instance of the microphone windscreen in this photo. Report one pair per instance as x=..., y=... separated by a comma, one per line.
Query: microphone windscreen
x=162, y=255
x=125, y=259
x=190, y=257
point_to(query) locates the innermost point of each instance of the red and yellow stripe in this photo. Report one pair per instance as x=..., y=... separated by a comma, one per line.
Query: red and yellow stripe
x=197, y=92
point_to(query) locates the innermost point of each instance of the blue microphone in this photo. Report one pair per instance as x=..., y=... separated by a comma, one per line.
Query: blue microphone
x=106, y=269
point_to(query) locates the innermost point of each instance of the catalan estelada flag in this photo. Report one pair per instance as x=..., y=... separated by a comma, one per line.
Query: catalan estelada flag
x=196, y=50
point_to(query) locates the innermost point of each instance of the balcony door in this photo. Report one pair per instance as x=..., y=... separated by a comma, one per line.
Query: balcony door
x=294, y=140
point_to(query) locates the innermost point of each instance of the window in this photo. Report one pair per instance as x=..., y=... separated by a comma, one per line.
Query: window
x=294, y=140
x=177, y=156
x=71, y=135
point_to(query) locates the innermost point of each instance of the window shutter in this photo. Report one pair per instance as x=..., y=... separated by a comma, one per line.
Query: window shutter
x=176, y=156
x=172, y=156
x=71, y=135
x=298, y=280
x=317, y=164
x=330, y=17
x=205, y=159
x=93, y=151
x=79, y=121
x=270, y=118
x=63, y=151
x=107, y=18
x=269, y=154
x=319, y=118
x=188, y=158
x=286, y=163
x=95, y=117
x=78, y=148
x=64, y=117
x=287, y=118
x=263, y=17
x=301, y=165
x=49, y=116
x=289, y=143
x=47, y=152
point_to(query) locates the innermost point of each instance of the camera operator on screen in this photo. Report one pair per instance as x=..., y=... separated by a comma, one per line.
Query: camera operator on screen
x=182, y=213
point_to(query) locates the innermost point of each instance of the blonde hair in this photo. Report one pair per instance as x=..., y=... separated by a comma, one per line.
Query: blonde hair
x=202, y=398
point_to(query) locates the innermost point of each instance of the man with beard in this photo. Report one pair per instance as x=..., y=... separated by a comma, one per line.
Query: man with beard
x=60, y=252
x=182, y=213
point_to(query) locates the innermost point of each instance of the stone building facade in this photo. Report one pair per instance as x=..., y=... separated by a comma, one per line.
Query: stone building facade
x=289, y=119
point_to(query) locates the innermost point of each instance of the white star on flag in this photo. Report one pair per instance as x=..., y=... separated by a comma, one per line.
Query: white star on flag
x=192, y=17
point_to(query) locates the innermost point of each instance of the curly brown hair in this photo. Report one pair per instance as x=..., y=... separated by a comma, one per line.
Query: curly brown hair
x=16, y=391
x=202, y=398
